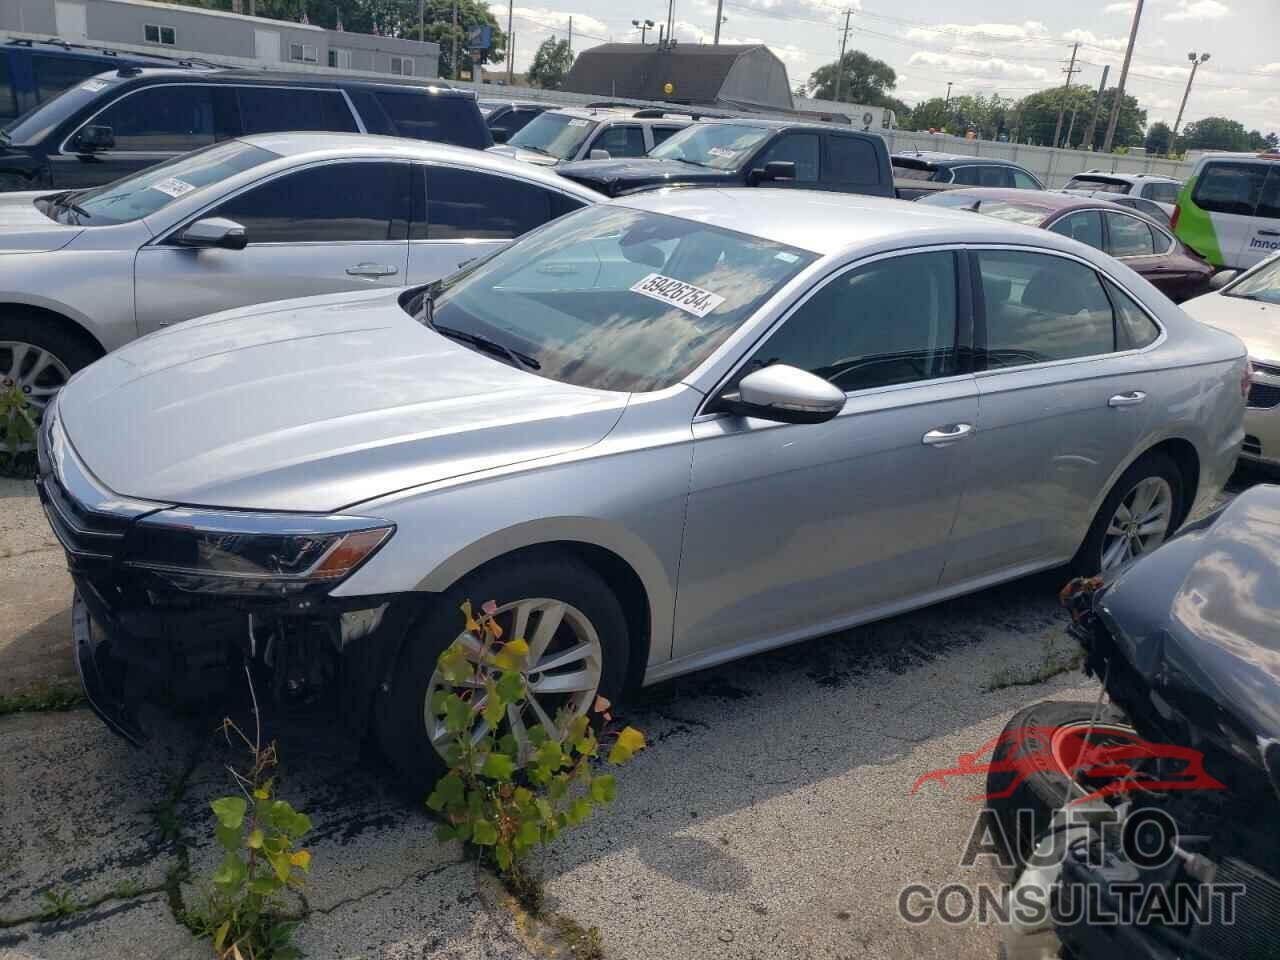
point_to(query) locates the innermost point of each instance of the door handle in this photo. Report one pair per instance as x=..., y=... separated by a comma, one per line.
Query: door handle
x=948, y=434
x=372, y=270
x=1130, y=399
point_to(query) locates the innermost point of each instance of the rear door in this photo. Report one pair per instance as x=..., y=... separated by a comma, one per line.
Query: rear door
x=323, y=228
x=1219, y=223
x=271, y=109
x=852, y=165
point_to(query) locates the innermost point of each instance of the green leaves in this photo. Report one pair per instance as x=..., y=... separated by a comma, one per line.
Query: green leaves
x=498, y=766
x=511, y=686
x=483, y=833
x=229, y=811
x=231, y=874
x=604, y=788
x=630, y=742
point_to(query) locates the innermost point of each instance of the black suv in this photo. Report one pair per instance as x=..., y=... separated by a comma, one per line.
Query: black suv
x=116, y=123
x=749, y=152
x=922, y=172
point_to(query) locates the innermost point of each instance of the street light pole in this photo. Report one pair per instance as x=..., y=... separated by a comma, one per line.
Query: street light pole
x=511, y=45
x=1124, y=75
x=947, y=102
x=719, y=20
x=1195, y=64
x=844, y=42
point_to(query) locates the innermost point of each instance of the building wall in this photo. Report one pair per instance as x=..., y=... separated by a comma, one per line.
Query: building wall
x=28, y=16
x=758, y=77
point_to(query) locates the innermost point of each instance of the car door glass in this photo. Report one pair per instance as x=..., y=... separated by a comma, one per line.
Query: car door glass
x=798, y=148
x=330, y=203
x=1128, y=236
x=1161, y=192
x=1023, y=180
x=1085, y=226
x=425, y=116
x=1269, y=202
x=465, y=204
x=852, y=160
x=993, y=176
x=892, y=321
x=1163, y=242
x=661, y=133
x=1229, y=187
x=8, y=95
x=969, y=176
x=169, y=119
x=268, y=109
x=1134, y=329
x=1040, y=308
x=621, y=141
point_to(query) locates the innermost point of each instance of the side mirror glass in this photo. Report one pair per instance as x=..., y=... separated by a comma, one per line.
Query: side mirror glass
x=216, y=232
x=785, y=394
x=91, y=139
x=600, y=155
x=500, y=136
x=1222, y=278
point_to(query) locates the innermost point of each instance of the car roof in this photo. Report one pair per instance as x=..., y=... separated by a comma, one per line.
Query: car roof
x=54, y=47
x=622, y=113
x=140, y=75
x=1053, y=201
x=1108, y=176
x=940, y=159
x=322, y=144
x=830, y=224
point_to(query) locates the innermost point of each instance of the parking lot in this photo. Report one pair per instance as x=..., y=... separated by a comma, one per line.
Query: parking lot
x=770, y=816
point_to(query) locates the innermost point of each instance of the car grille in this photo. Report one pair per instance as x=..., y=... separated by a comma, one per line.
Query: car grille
x=1252, y=445
x=1256, y=931
x=84, y=534
x=1263, y=395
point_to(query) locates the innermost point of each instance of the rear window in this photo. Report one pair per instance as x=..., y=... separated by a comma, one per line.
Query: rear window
x=269, y=109
x=1100, y=184
x=424, y=116
x=1227, y=187
x=851, y=160
x=915, y=171
x=1013, y=211
x=553, y=134
x=1162, y=192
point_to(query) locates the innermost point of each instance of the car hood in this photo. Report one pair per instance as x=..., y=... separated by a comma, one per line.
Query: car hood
x=24, y=229
x=1199, y=620
x=1254, y=322
x=312, y=405
x=612, y=177
x=528, y=156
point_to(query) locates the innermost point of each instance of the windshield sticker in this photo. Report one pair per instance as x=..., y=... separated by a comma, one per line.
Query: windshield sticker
x=786, y=257
x=677, y=293
x=173, y=187
x=724, y=153
x=578, y=123
x=93, y=86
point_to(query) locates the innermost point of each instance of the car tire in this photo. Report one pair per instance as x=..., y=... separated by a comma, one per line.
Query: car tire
x=1044, y=788
x=400, y=719
x=1152, y=466
x=70, y=351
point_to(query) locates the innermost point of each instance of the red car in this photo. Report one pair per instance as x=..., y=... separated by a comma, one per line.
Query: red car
x=1137, y=241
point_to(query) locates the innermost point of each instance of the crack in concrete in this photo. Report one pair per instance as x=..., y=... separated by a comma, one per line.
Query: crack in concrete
x=417, y=875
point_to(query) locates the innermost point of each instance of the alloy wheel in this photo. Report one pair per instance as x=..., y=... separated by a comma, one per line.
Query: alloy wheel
x=34, y=371
x=566, y=662
x=1140, y=524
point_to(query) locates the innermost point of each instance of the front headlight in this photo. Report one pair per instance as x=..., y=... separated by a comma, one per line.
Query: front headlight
x=257, y=554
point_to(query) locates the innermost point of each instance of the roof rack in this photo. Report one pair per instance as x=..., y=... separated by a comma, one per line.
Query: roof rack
x=67, y=45
x=658, y=113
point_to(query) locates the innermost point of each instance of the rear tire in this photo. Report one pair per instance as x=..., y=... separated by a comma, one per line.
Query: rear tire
x=400, y=718
x=1153, y=467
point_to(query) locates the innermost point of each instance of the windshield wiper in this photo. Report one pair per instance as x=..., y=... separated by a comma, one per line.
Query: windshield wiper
x=63, y=201
x=528, y=146
x=513, y=357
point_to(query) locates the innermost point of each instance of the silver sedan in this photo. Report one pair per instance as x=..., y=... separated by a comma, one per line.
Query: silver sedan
x=241, y=222
x=658, y=434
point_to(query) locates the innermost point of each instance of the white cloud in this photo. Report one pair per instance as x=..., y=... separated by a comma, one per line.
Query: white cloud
x=1029, y=30
x=1088, y=36
x=1198, y=10
x=556, y=20
x=1269, y=68
x=1125, y=7
x=990, y=68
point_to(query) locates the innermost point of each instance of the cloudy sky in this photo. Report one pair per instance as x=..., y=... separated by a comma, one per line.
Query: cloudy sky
x=1010, y=47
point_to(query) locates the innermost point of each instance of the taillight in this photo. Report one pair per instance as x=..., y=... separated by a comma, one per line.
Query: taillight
x=1246, y=379
x=1173, y=221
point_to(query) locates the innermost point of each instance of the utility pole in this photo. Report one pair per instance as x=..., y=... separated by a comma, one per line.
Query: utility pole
x=1097, y=109
x=454, y=55
x=844, y=42
x=671, y=21
x=1071, y=127
x=511, y=45
x=1124, y=75
x=947, y=102
x=570, y=36
x=422, y=20
x=1195, y=64
x=1071, y=71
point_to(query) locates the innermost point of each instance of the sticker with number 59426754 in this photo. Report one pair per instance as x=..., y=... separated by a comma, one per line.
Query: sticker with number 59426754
x=685, y=296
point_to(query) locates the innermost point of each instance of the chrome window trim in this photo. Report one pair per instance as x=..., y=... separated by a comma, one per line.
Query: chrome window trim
x=1135, y=215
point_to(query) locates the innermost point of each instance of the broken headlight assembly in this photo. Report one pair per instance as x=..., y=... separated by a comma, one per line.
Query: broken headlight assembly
x=260, y=555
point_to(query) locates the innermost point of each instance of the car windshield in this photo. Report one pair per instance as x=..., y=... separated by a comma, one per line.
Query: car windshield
x=34, y=125
x=613, y=298
x=1014, y=212
x=1100, y=184
x=141, y=195
x=557, y=135
x=1262, y=284
x=723, y=146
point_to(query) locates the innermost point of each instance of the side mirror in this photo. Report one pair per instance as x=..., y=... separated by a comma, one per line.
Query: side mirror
x=785, y=394
x=1222, y=278
x=214, y=232
x=499, y=135
x=600, y=155
x=91, y=139
x=774, y=170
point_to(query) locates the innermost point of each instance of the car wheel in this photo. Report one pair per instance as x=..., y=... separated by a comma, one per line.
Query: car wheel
x=578, y=650
x=1046, y=737
x=38, y=358
x=1142, y=510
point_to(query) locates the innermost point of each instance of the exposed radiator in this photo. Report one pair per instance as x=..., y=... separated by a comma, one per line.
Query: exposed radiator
x=1255, y=934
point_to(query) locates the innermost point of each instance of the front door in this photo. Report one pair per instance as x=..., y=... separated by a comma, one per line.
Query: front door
x=793, y=528
x=320, y=229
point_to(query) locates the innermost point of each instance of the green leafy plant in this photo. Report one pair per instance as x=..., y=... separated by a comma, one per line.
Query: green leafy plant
x=59, y=904
x=258, y=832
x=18, y=423
x=502, y=795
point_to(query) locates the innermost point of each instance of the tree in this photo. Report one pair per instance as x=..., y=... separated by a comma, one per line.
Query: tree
x=1039, y=117
x=1272, y=141
x=1159, y=138
x=551, y=63
x=930, y=115
x=1215, y=133
x=865, y=80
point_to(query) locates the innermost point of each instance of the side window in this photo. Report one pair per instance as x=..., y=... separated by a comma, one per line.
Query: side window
x=55, y=74
x=1269, y=204
x=662, y=133
x=1229, y=187
x=372, y=115
x=1023, y=180
x=798, y=148
x=1128, y=236
x=893, y=321
x=621, y=141
x=994, y=176
x=465, y=204
x=8, y=96
x=1040, y=308
x=331, y=203
x=969, y=176
x=852, y=160
x=268, y=109
x=1085, y=226
x=563, y=203
x=445, y=119
x=1161, y=192
x=1161, y=239
x=170, y=119
x=1134, y=329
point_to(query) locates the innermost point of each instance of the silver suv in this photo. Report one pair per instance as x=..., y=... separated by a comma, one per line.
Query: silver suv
x=242, y=222
x=591, y=133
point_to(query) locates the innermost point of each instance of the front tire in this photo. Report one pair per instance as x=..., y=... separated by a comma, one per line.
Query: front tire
x=577, y=635
x=1143, y=509
x=38, y=357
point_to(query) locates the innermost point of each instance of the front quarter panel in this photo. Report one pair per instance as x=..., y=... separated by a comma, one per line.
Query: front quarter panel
x=627, y=494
